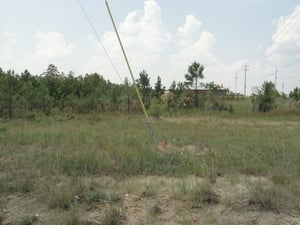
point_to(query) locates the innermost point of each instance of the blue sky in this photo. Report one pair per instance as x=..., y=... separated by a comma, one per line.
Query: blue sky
x=161, y=36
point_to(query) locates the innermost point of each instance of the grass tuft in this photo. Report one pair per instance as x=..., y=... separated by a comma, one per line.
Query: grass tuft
x=202, y=193
x=155, y=210
x=28, y=220
x=113, y=216
x=17, y=184
x=148, y=191
x=267, y=198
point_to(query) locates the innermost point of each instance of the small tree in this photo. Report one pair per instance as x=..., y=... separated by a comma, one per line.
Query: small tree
x=195, y=72
x=266, y=97
x=144, y=84
x=159, y=89
x=177, y=90
x=295, y=94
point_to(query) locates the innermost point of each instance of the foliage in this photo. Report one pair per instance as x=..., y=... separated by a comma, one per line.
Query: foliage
x=176, y=94
x=27, y=94
x=144, y=84
x=53, y=92
x=155, y=109
x=266, y=96
x=28, y=220
x=295, y=94
x=159, y=89
x=195, y=72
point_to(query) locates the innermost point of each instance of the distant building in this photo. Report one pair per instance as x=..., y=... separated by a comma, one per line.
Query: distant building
x=217, y=91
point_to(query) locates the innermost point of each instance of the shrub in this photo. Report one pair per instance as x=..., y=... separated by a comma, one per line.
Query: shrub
x=155, y=109
x=265, y=97
x=295, y=94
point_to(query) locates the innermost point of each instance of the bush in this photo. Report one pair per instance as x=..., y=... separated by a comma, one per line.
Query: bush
x=295, y=94
x=265, y=97
x=155, y=109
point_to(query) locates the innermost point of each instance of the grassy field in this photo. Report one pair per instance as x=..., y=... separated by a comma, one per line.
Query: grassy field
x=205, y=168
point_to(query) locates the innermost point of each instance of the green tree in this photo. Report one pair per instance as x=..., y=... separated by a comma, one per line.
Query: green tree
x=159, y=89
x=115, y=97
x=195, y=72
x=53, y=80
x=212, y=87
x=295, y=94
x=9, y=92
x=144, y=84
x=128, y=91
x=266, y=97
x=177, y=90
x=28, y=91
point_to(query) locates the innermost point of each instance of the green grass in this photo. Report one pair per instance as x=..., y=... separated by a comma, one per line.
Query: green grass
x=56, y=160
x=123, y=146
x=28, y=220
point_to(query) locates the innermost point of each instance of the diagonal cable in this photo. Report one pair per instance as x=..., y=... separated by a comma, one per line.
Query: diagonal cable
x=99, y=40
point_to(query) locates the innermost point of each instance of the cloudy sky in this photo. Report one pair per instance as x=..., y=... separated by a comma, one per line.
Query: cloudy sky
x=161, y=36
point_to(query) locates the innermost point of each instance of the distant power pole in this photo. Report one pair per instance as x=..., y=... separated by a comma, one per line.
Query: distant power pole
x=245, y=80
x=276, y=77
x=236, y=83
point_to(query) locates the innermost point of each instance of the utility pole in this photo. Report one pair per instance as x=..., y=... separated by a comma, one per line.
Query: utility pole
x=245, y=79
x=236, y=83
x=276, y=77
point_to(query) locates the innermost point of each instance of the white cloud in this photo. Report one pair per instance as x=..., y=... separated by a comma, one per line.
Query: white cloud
x=150, y=46
x=286, y=40
x=189, y=30
x=52, y=45
x=144, y=38
x=7, y=42
x=193, y=44
x=10, y=37
x=8, y=45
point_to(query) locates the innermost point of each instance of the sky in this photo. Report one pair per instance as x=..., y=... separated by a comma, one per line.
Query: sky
x=162, y=37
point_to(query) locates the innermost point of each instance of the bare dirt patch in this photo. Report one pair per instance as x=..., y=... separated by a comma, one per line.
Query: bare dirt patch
x=161, y=200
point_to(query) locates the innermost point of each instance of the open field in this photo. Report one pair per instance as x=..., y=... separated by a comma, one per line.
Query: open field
x=108, y=169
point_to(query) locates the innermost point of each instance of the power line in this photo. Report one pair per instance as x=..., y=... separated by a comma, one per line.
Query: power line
x=260, y=77
x=290, y=64
x=293, y=19
x=278, y=70
x=99, y=40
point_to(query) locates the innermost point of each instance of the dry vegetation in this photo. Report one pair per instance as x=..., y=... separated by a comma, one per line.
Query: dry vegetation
x=107, y=169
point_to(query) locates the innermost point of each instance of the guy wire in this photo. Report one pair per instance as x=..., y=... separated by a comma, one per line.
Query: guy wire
x=99, y=40
x=148, y=121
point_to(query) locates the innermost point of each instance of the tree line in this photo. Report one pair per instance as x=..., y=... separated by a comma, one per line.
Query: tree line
x=54, y=91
